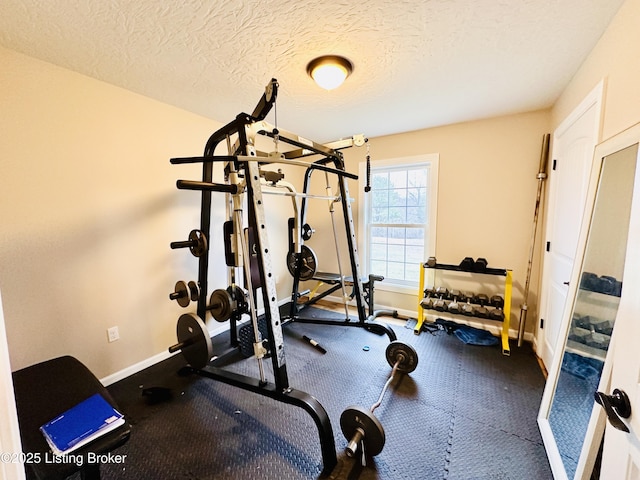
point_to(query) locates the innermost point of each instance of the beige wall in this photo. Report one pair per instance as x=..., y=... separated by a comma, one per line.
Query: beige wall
x=614, y=58
x=89, y=207
x=487, y=189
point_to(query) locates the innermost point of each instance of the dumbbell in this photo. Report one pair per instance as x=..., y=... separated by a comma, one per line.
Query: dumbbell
x=496, y=313
x=427, y=301
x=481, y=311
x=454, y=306
x=360, y=426
x=440, y=304
x=184, y=293
x=480, y=265
x=467, y=308
x=467, y=264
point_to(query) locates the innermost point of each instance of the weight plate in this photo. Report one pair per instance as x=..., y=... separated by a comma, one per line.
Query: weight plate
x=220, y=305
x=183, y=294
x=408, y=356
x=194, y=291
x=306, y=232
x=198, y=348
x=308, y=263
x=240, y=297
x=198, y=243
x=357, y=417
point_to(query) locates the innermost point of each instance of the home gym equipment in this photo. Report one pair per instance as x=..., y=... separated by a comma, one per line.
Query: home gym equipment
x=541, y=176
x=197, y=243
x=469, y=304
x=360, y=426
x=248, y=179
x=454, y=306
x=185, y=293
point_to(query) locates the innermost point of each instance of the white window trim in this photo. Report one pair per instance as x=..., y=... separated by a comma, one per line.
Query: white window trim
x=430, y=242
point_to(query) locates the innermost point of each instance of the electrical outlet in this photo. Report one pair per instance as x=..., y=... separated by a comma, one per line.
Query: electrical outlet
x=113, y=334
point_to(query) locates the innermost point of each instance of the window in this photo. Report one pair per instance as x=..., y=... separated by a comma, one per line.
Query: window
x=399, y=218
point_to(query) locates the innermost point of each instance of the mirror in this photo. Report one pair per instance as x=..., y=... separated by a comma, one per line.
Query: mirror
x=567, y=416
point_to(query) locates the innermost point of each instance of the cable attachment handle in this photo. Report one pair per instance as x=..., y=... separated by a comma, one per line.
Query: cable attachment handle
x=367, y=187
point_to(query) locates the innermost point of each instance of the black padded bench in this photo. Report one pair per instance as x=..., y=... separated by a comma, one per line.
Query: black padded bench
x=42, y=392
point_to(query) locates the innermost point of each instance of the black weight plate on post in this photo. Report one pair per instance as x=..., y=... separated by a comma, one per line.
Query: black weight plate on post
x=308, y=263
x=198, y=243
x=194, y=291
x=198, y=348
x=220, y=305
x=409, y=360
x=357, y=417
x=183, y=294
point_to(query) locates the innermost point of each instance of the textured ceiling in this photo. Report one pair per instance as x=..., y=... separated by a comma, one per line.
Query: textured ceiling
x=418, y=63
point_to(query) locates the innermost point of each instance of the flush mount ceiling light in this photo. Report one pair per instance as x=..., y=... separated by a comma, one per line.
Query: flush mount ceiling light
x=329, y=71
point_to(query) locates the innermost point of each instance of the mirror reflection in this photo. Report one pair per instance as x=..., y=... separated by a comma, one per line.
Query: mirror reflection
x=595, y=306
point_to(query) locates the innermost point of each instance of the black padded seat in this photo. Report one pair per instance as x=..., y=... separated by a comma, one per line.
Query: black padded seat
x=42, y=392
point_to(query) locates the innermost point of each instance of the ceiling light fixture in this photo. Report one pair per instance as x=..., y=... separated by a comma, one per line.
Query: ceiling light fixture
x=329, y=71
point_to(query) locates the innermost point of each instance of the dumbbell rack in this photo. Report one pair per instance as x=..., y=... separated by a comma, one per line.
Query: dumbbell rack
x=507, y=273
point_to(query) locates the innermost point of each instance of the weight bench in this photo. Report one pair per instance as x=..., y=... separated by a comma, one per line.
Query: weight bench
x=333, y=279
x=42, y=392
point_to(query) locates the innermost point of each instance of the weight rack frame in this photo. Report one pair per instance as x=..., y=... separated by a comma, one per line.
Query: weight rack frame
x=243, y=156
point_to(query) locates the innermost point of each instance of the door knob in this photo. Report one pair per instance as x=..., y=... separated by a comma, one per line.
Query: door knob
x=616, y=405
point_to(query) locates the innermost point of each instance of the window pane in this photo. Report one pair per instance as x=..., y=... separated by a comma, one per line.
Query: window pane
x=396, y=253
x=415, y=236
x=398, y=178
x=412, y=272
x=379, y=268
x=397, y=215
x=415, y=253
x=379, y=234
x=379, y=181
x=418, y=178
x=416, y=215
x=398, y=197
x=396, y=270
x=379, y=198
x=396, y=235
x=380, y=215
x=378, y=251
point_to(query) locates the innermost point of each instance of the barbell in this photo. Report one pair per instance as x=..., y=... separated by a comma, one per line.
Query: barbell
x=359, y=425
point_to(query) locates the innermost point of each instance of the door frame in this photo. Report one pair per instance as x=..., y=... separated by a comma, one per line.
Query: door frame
x=9, y=429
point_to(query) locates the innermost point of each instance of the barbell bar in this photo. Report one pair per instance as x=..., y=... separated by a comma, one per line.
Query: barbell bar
x=361, y=426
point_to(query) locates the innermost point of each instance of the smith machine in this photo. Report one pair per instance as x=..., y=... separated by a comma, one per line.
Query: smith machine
x=249, y=258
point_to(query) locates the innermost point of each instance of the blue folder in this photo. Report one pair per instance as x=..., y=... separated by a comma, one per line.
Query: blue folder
x=88, y=420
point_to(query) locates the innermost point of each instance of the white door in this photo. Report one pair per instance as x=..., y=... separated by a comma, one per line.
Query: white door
x=621, y=455
x=571, y=159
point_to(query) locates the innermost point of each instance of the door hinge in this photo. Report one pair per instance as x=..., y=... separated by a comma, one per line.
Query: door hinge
x=542, y=323
x=548, y=246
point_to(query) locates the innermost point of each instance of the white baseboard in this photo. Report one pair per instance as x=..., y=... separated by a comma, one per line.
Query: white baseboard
x=151, y=361
x=159, y=357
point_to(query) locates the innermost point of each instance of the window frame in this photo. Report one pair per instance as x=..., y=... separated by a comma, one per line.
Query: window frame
x=430, y=159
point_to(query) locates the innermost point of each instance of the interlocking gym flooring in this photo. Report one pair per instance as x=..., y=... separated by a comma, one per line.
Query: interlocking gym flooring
x=466, y=412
